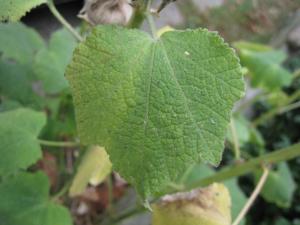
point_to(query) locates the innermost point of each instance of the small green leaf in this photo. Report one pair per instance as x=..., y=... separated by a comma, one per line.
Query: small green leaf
x=94, y=168
x=279, y=187
x=157, y=106
x=19, y=42
x=24, y=199
x=19, y=147
x=50, y=63
x=264, y=65
x=13, y=10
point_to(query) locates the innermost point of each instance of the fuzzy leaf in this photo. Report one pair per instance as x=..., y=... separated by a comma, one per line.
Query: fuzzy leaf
x=156, y=105
x=13, y=10
x=24, y=200
x=19, y=147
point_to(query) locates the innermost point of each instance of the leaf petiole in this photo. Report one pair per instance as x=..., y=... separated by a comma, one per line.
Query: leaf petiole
x=63, y=21
x=253, y=196
x=59, y=144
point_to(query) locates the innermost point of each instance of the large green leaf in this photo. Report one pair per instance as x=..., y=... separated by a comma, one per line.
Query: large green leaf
x=50, y=63
x=19, y=147
x=24, y=200
x=19, y=42
x=264, y=65
x=156, y=105
x=279, y=187
x=13, y=10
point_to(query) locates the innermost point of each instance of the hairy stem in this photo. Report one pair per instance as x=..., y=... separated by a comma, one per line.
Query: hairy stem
x=248, y=166
x=63, y=21
x=58, y=144
x=253, y=196
x=139, y=14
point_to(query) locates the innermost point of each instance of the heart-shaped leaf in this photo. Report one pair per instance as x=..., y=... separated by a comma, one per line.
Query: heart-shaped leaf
x=156, y=105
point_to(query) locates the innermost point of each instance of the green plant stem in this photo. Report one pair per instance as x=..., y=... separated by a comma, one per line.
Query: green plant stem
x=281, y=109
x=59, y=144
x=63, y=21
x=236, y=144
x=138, y=18
x=290, y=107
x=139, y=14
x=62, y=191
x=152, y=25
x=248, y=166
x=253, y=196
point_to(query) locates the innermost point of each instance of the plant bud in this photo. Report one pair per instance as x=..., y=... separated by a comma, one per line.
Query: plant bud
x=106, y=12
x=205, y=206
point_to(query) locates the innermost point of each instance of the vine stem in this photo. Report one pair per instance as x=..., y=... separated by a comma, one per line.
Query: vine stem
x=63, y=21
x=253, y=196
x=236, y=144
x=58, y=144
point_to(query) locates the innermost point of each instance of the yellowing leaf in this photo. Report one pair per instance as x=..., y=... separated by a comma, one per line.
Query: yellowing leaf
x=206, y=206
x=94, y=168
x=164, y=30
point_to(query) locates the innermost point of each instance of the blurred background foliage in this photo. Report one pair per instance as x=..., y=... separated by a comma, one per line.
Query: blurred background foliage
x=266, y=36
